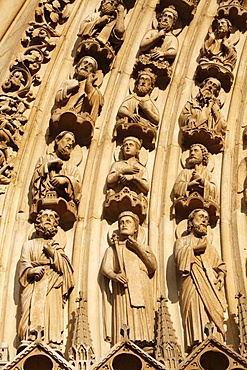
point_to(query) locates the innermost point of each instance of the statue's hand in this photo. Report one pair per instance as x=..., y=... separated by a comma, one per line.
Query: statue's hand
x=37, y=273
x=197, y=176
x=91, y=79
x=157, y=55
x=143, y=105
x=162, y=33
x=131, y=169
x=59, y=181
x=220, y=280
x=103, y=20
x=49, y=248
x=132, y=243
x=125, y=178
x=55, y=164
x=134, y=117
x=121, y=278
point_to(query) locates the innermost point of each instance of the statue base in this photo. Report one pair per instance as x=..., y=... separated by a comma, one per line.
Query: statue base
x=125, y=200
x=143, y=130
x=184, y=205
x=81, y=124
x=104, y=54
x=66, y=210
x=202, y=135
x=217, y=70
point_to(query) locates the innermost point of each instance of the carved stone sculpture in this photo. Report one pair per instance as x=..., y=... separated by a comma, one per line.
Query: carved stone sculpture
x=218, y=54
x=160, y=46
x=138, y=115
x=202, y=279
x=102, y=33
x=130, y=266
x=127, y=183
x=195, y=186
x=235, y=11
x=78, y=102
x=56, y=182
x=46, y=276
x=201, y=119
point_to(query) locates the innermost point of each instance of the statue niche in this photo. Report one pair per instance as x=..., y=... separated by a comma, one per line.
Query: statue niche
x=46, y=276
x=201, y=119
x=218, y=55
x=56, y=182
x=138, y=115
x=127, y=183
x=159, y=46
x=235, y=11
x=195, y=186
x=102, y=33
x=78, y=102
x=202, y=279
x=129, y=265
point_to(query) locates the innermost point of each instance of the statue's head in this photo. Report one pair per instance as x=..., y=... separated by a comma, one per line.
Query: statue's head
x=223, y=27
x=128, y=224
x=85, y=66
x=197, y=222
x=210, y=88
x=64, y=144
x=131, y=147
x=168, y=18
x=145, y=82
x=198, y=154
x=108, y=6
x=46, y=223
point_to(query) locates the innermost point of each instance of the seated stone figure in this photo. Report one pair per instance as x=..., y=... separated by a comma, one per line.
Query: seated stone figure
x=56, y=182
x=195, y=186
x=102, y=32
x=127, y=183
x=160, y=46
x=218, y=54
x=201, y=117
x=138, y=115
x=78, y=102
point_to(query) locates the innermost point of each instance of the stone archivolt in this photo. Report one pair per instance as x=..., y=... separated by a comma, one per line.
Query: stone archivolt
x=129, y=267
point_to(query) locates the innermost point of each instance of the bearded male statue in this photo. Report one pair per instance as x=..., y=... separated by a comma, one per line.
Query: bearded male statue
x=46, y=276
x=202, y=279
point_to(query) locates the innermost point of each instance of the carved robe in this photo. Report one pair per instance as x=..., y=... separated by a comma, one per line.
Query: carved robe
x=165, y=45
x=203, y=116
x=42, y=176
x=132, y=101
x=105, y=33
x=201, y=301
x=131, y=305
x=208, y=192
x=117, y=169
x=72, y=95
x=216, y=52
x=42, y=301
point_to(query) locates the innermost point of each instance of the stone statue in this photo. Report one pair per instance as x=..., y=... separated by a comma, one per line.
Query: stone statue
x=202, y=119
x=160, y=45
x=196, y=178
x=55, y=177
x=79, y=100
x=128, y=178
x=104, y=29
x=130, y=267
x=46, y=276
x=218, y=47
x=140, y=104
x=203, y=273
x=203, y=111
x=138, y=115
